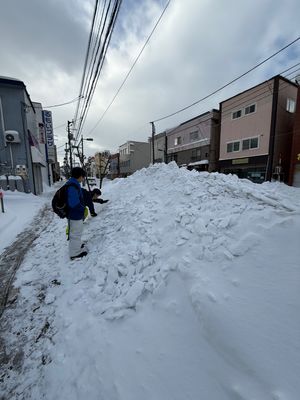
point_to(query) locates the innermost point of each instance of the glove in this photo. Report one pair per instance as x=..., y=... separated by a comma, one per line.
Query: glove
x=94, y=214
x=104, y=201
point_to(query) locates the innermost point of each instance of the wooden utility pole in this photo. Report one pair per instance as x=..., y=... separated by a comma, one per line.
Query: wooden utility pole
x=66, y=165
x=82, y=155
x=153, y=134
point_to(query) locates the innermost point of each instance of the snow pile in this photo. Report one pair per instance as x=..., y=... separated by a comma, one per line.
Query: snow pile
x=190, y=290
x=164, y=218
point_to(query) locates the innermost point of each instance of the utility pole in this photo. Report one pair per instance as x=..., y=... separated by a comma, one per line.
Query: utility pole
x=82, y=155
x=166, y=150
x=153, y=134
x=70, y=145
x=66, y=161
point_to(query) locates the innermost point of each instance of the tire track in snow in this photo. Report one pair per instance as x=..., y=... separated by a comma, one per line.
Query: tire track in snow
x=12, y=352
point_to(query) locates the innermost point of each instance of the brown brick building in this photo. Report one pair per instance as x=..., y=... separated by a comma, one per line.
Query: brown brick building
x=294, y=176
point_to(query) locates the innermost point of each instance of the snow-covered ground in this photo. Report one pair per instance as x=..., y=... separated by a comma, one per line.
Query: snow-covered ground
x=190, y=290
x=20, y=208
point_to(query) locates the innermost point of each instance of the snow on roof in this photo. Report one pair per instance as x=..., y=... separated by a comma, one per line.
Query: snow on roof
x=9, y=78
x=201, y=162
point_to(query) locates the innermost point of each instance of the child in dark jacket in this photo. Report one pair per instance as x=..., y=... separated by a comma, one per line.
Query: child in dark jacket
x=91, y=197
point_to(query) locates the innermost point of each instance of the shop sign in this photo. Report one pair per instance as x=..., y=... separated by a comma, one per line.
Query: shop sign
x=47, y=118
x=240, y=161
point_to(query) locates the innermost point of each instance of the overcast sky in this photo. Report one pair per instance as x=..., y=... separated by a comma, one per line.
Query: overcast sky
x=198, y=46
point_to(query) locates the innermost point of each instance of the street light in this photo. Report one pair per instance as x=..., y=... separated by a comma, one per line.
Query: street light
x=82, y=139
x=77, y=147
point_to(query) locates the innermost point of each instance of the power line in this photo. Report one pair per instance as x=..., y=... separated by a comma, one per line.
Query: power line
x=63, y=125
x=93, y=80
x=96, y=47
x=266, y=93
x=258, y=89
x=96, y=53
x=131, y=68
x=63, y=104
x=86, y=59
x=229, y=83
x=60, y=126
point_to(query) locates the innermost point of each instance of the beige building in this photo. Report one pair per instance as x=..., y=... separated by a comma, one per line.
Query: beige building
x=256, y=131
x=101, y=163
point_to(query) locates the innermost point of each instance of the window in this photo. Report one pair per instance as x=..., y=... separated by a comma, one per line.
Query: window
x=245, y=111
x=246, y=144
x=251, y=143
x=125, y=164
x=194, y=136
x=237, y=114
x=172, y=157
x=290, y=105
x=196, y=155
x=254, y=143
x=177, y=140
x=233, y=146
x=250, y=109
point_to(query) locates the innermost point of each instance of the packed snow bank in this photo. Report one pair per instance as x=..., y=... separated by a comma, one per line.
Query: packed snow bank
x=190, y=290
x=20, y=208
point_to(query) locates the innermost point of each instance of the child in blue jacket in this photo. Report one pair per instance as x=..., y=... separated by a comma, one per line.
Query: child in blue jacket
x=76, y=206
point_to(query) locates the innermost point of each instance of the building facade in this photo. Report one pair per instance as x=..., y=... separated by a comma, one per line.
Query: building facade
x=294, y=177
x=114, y=166
x=133, y=156
x=159, y=149
x=256, y=131
x=102, y=163
x=47, y=176
x=19, y=148
x=195, y=143
x=24, y=147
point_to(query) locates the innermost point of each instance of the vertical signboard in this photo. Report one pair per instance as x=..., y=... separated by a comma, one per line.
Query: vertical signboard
x=48, y=129
x=47, y=118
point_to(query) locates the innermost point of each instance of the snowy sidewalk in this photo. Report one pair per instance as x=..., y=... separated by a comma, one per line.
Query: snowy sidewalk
x=20, y=209
x=12, y=257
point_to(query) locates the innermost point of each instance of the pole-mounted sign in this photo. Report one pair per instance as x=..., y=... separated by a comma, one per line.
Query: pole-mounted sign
x=47, y=118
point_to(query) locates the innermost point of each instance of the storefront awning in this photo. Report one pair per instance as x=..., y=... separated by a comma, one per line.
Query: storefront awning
x=37, y=157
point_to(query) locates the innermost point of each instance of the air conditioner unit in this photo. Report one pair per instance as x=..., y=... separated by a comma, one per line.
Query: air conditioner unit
x=21, y=169
x=12, y=137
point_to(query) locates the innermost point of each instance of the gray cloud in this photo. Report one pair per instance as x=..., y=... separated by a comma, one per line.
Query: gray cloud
x=41, y=32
